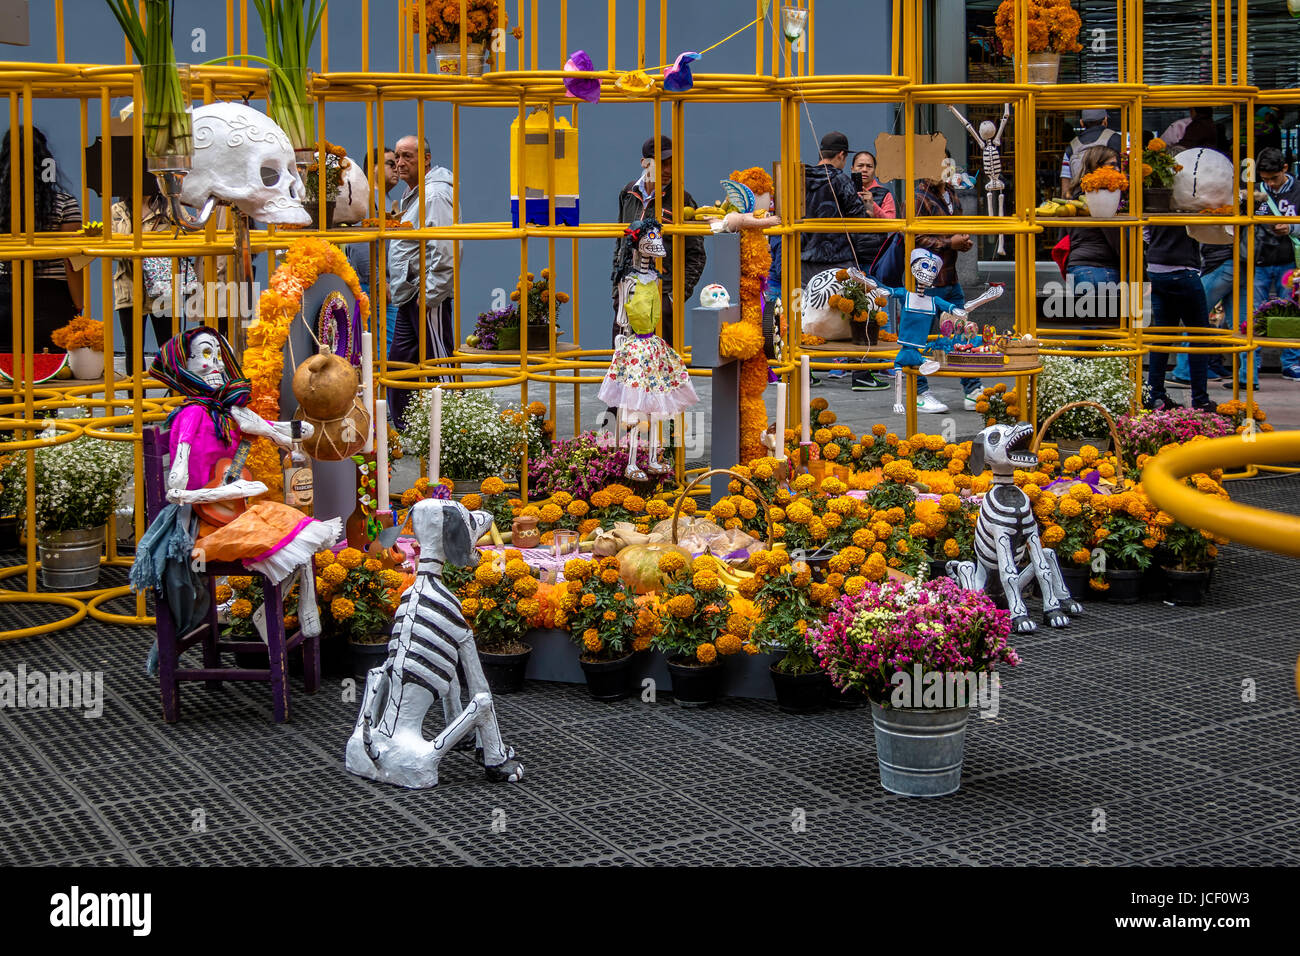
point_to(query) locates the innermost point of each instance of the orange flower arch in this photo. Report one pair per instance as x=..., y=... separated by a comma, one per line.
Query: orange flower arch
x=307, y=260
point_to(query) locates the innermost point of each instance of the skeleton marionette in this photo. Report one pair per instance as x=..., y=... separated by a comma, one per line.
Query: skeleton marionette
x=210, y=433
x=430, y=644
x=919, y=310
x=647, y=381
x=1006, y=533
x=989, y=140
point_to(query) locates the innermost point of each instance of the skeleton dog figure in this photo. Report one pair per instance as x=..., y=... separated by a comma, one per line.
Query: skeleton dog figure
x=429, y=639
x=1006, y=531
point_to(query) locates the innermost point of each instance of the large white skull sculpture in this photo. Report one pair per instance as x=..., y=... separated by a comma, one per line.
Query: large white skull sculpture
x=242, y=157
x=350, y=207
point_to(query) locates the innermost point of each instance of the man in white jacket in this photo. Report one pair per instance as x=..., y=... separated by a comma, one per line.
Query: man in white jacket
x=404, y=266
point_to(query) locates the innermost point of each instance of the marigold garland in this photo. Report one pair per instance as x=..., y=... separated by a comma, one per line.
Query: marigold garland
x=307, y=259
x=755, y=260
x=740, y=340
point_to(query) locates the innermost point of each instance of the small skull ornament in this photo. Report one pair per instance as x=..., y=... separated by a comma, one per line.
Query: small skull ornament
x=242, y=157
x=714, y=296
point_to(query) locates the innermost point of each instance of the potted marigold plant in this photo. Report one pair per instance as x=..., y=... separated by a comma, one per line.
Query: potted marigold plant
x=783, y=612
x=440, y=22
x=860, y=307
x=1101, y=190
x=1053, y=29
x=919, y=652
x=358, y=598
x=83, y=339
x=1158, y=169
x=698, y=627
x=603, y=622
x=1121, y=534
x=998, y=406
x=539, y=294
x=499, y=602
x=1187, y=554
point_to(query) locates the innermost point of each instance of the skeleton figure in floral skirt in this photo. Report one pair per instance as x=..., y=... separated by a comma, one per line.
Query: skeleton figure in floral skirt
x=647, y=381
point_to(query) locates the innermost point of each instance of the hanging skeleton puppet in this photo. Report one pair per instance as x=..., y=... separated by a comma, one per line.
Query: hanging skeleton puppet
x=989, y=140
x=647, y=381
x=210, y=434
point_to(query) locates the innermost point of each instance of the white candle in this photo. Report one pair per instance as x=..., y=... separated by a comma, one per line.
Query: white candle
x=368, y=384
x=805, y=390
x=435, y=435
x=381, y=455
x=780, y=421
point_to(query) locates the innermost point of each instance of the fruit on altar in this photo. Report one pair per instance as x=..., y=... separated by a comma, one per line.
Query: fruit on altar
x=638, y=564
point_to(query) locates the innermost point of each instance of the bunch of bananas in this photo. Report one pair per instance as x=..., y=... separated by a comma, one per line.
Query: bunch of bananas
x=1062, y=207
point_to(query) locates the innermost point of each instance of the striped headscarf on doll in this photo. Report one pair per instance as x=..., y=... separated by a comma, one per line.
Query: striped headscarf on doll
x=171, y=367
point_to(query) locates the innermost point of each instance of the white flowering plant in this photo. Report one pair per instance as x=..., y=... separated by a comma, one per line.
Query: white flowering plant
x=77, y=483
x=1106, y=381
x=480, y=438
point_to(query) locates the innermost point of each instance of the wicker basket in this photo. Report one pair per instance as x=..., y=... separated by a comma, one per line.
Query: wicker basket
x=1110, y=423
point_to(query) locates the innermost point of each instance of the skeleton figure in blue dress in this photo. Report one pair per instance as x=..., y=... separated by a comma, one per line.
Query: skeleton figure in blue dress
x=918, y=312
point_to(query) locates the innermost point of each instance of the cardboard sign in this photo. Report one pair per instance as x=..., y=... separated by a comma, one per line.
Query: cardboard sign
x=927, y=157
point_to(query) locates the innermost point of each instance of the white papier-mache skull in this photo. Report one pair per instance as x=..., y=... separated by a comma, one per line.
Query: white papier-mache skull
x=205, y=360
x=925, y=268
x=350, y=207
x=1206, y=181
x=714, y=296
x=242, y=157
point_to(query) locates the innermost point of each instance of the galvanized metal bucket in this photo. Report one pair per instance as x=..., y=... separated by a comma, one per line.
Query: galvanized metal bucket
x=70, y=559
x=920, y=749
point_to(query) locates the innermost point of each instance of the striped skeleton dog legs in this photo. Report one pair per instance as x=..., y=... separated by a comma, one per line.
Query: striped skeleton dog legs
x=430, y=639
x=1006, y=533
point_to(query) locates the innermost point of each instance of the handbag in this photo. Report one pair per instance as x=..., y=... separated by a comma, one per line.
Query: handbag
x=887, y=267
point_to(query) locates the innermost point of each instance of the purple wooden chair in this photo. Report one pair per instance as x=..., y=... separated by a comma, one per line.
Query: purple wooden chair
x=171, y=644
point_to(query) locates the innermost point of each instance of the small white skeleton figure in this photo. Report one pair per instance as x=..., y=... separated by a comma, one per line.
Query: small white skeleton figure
x=989, y=140
x=198, y=363
x=1006, y=532
x=647, y=380
x=430, y=640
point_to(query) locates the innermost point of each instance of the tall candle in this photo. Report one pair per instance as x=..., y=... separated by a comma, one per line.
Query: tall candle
x=368, y=384
x=435, y=435
x=805, y=395
x=780, y=421
x=381, y=455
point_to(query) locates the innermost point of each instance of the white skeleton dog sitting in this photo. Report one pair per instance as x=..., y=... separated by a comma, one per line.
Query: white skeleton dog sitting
x=1006, y=531
x=429, y=639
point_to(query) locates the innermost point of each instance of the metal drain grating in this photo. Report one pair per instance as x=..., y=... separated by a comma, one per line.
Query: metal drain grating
x=840, y=837
x=243, y=846
x=551, y=840
x=173, y=816
x=723, y=848
x=53, y=837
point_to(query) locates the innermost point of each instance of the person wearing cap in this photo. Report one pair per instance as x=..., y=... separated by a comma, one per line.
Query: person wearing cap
x=1096, y=132
x=637, y=200
x=829, y=194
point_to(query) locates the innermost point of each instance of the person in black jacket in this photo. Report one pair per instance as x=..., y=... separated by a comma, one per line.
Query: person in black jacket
x=829, y=194
x=1177, y=298
x=1275, y=253
x=636, y=200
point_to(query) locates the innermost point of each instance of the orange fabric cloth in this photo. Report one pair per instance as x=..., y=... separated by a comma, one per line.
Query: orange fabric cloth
x=256, y=531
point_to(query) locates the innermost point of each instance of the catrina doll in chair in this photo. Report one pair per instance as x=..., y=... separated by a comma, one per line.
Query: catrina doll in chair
x=210, y=434
x=647, y=381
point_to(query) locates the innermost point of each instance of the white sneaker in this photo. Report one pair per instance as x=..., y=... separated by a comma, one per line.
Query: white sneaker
x=926, y=402
x=969, y=403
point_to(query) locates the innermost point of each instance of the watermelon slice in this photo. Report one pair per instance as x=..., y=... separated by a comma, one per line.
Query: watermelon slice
x=45, y=366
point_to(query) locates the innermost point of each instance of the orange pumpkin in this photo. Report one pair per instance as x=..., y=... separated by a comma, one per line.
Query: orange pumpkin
x=638, y=565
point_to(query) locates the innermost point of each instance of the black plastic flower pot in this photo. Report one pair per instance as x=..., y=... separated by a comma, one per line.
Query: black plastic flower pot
x=504, y=672
x=1076, y=579
x=859, y=332
x=800, y=693
x=1125, y=586
x=1186, y=588
x=363, y=657
x=608, y=680
x=696, y=685
x=850, y=699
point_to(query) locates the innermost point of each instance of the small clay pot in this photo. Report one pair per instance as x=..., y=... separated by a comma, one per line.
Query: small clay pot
x=523, y=532
x=325, y=386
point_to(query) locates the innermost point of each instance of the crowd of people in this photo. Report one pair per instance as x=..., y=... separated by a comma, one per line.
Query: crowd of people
x=1187, y=280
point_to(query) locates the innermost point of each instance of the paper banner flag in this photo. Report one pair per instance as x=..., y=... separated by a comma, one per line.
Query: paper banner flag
x=677, y=78
x=637, y=81
x=582, y=88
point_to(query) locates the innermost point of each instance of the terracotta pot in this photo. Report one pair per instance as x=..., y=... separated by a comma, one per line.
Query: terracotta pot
x=337, y=438
x=523, y=532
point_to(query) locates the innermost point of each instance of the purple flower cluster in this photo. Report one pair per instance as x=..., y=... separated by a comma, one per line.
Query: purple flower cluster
x=581, y=466
x=1148, y=432
x=490, y=324
x=889, y=627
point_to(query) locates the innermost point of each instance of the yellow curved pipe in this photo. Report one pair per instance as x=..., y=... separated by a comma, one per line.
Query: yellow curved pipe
x=1267, y=530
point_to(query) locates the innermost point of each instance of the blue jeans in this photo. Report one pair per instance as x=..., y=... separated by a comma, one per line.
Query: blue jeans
x=1178, y=298
x=392, y=317
x=955, y=295
x=1218, y=288
x=1092, y=274
x=1268, y=285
